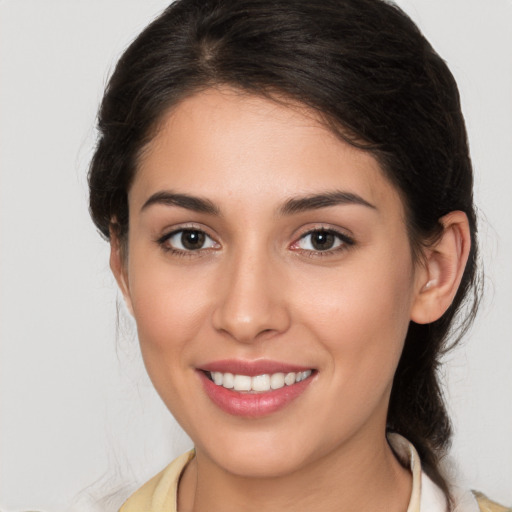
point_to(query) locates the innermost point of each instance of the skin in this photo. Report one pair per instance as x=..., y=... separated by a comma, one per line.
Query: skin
x=257, y=290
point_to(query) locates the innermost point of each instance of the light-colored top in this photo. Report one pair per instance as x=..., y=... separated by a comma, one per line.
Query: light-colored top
x=160, y=494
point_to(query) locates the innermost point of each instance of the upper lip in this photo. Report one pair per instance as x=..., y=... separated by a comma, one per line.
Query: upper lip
x=252, y=368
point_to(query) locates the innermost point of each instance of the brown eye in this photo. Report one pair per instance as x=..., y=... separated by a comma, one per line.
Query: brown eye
x=322, y=240
x=192, y=240
x=189, y=240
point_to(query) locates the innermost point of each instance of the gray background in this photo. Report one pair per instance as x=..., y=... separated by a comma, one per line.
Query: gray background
x=79, y=419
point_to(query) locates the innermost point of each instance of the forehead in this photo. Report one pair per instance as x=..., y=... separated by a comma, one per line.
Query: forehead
x=225, y=144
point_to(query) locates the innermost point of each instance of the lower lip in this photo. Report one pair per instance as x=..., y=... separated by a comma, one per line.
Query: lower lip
x=252, y=405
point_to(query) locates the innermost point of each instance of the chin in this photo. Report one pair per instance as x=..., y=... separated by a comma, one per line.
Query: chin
x=260, y=455
x=259, y=465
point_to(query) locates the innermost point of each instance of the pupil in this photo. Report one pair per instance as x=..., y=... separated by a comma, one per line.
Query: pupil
x=322, y=240
x=192, y=239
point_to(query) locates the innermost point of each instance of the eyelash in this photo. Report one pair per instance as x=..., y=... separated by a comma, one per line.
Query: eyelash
x=344, y=242
x=163, y=242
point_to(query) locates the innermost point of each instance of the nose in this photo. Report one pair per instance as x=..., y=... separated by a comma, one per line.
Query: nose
x=251, y=303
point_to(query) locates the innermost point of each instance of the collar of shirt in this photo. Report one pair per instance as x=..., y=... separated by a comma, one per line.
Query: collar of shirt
x=426, y=496
x=161, y=492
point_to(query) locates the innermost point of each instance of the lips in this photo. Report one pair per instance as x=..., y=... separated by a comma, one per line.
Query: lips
x=254, y=388
x=252, y=368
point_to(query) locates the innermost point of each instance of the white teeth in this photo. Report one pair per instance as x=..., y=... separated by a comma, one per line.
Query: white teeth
x=242, y=383
x=302, y=375
x=289, y=379
x=277, y=380
x=228, y=380
x=261, y=383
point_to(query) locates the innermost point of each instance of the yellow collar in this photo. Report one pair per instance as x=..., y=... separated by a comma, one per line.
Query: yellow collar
x=161, y=492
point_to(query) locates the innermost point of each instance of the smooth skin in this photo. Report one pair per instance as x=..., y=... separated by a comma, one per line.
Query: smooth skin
x=252, y=282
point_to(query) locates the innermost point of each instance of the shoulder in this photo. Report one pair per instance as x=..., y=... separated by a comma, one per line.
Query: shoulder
x=486, y=505
x=159, y=494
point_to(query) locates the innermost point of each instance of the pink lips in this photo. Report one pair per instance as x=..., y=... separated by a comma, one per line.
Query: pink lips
x=252, y=368
x=251, y=405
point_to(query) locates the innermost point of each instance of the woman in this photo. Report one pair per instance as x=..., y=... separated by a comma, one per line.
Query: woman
x=287, y=190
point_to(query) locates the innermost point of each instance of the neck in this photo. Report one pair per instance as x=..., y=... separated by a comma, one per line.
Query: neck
x=359, y=475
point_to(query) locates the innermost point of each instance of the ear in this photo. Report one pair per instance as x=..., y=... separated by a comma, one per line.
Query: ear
x=119, y=268
x=439, y=277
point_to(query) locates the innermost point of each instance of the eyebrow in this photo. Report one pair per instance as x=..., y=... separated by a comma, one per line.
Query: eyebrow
x=290, y=207
x=168, y=198
x=322, y=200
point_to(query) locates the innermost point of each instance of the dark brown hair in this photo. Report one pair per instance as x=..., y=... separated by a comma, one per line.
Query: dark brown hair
x=366, y=69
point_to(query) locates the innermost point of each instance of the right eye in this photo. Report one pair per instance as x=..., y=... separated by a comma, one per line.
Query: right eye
x=186, y=240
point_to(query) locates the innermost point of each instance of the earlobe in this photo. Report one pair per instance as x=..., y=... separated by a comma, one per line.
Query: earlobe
x=443, y=268
x=118, y=267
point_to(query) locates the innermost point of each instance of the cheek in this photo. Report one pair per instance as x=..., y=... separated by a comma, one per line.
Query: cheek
x=170, y=314
x=361, y=315
x=169, y=308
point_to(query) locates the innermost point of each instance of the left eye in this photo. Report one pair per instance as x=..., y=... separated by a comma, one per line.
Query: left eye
x=189, y=240
x=320, y=240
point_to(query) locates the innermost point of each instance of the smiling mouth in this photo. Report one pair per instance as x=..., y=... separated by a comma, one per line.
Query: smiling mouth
x=258, y=383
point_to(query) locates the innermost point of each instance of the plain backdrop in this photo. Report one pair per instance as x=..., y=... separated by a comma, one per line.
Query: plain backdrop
x=80, y=423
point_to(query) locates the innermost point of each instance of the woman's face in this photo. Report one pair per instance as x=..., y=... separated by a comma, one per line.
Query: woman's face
x=260, y=247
